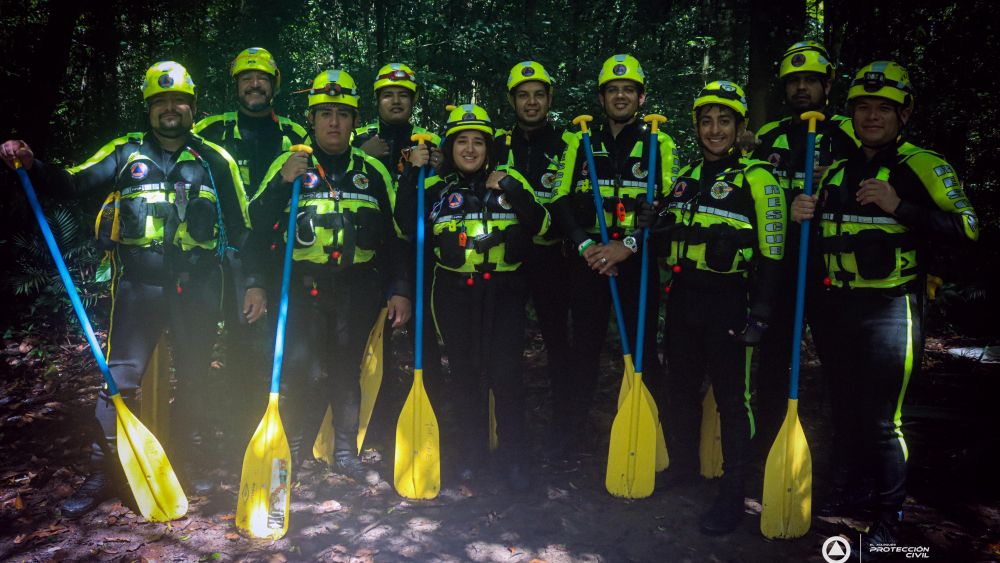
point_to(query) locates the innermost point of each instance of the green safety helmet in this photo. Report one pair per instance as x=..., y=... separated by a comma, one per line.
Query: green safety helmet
x=526, y=71
x=256, y=58
x=723, y=93
x=468, y=117
x=883, y=79
x=396, y=74
x=806, y=56
x=621, y=67
x=333, y=87
x=167, y=76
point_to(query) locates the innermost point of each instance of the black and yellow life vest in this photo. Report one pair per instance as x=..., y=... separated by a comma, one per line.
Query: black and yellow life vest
x=149, y=207
x=340, y=220
x=291, y=134
x=719, y=224
x=834, y=138
x=865, y=247
x=476, y=234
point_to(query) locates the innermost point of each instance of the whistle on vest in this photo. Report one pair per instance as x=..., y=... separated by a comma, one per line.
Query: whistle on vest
x=181, y=200
x=462, y=239
x=620, y=211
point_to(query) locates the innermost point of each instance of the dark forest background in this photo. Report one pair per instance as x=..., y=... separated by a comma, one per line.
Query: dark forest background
x=70, y=76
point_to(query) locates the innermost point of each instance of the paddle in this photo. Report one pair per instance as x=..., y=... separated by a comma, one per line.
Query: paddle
x=417, y=469
x=371, y=382
x=787, y=499
x=157, y=492
x=631, y=468
x=265, y=484
x=710, y=448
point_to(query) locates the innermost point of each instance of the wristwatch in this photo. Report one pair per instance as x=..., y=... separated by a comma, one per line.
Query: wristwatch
x=631, y=244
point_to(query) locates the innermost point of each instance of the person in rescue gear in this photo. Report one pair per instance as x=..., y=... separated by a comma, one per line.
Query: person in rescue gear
x=345, y=233
x=807, y=73
x=174, y=204
x=722, y=231
x=620, y=149
x=396, y=92
x=481, y=219
x=255, y=135
x=387, y=138
x=533, y=147
x=875, y=216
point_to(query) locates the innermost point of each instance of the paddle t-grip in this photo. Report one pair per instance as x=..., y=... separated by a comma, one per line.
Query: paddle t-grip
x=654, y=120
x=812, y=117
x=420, y=138
x=583, y=121
x=301, y=148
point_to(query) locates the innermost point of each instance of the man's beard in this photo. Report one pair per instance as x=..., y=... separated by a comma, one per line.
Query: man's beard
x=172, y=131
x=261, y=106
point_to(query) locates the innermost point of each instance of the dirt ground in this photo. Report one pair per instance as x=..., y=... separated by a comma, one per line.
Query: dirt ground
x=953, y=506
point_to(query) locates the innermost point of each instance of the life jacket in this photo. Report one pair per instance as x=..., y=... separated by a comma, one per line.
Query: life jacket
x=833, y=137
x=291, y=133
x=474, y=233
x=715, y=220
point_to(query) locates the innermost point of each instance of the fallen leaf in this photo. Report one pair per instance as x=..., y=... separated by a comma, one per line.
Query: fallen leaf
x=329, y=506
x=511, y=549
x=538, y=561
x=465, y=491
x=18, y=502
x=232, y=536
x=226, y=517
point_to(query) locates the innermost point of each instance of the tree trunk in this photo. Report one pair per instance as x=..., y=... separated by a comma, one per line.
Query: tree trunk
x=774, y=25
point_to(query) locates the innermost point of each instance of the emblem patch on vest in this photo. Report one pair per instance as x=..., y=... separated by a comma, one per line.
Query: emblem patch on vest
x=139, y=170
x=360, y=181
x=720, y=190
x=679, y=188
x=502, y=200
x=310, y=180
x=774, y=158
x=548, y=180
x=638, y=172
x=455, y=200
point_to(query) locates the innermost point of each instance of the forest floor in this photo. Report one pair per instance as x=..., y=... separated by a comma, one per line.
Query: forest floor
x=953, y=507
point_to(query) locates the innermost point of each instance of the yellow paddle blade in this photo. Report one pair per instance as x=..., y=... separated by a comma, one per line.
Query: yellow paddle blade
x=157, y=492
x=632, y=453
x=265, y=493
x=154, y=410
x=662, y=457
x=710, y=447
x=417, y=468
x=787, y=499
x=323, y=446
x=627, y=378
x=371, y=375
x=494, y=439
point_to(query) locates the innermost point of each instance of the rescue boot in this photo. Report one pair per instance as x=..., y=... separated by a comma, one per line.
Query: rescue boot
x=724, y=516
x=882, y=533
x=518, y=478
x=349, y=465
x=96, y=488
x=850, y=502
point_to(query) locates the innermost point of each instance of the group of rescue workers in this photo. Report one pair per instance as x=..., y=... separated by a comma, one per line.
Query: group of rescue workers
x=197, y=211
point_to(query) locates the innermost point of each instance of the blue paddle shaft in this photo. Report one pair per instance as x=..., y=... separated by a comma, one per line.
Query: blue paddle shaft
x=286, y=281
x=800, y=280
x=418, y=341
x=640, y=331
x=74, y=297
x=599, y=207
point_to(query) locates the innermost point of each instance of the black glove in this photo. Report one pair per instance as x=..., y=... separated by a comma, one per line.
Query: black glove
x=647, y=214
x=751, y=333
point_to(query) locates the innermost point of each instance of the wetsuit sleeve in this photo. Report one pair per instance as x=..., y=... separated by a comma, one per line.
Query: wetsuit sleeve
x=264, y=210
x=531, y=214
x=561, y=206
x=953, y=219
x=668, y=163
x=770, y=222
x=95, y=174
x=399, y=260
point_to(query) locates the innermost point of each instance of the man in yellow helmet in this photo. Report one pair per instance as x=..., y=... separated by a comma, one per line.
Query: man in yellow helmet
x=174, y=203
x=807, y=73
x=722, y=233
x=533, y=147
x=620, y=146
x=396, y=91
x=876, y=215
x=345, y=235
x=254, y=135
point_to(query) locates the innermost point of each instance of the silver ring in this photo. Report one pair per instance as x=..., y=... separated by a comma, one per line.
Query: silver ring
x=604, y=260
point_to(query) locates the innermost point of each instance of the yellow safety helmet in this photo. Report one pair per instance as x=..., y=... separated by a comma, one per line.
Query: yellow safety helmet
x=621, y=67
x=468, y=117
x=723, y=93
x=333, y=87
x=256, y=58
x=883, y=79
x=806, y=56
x=396, y=74
x=526, y=71
x=167, y=76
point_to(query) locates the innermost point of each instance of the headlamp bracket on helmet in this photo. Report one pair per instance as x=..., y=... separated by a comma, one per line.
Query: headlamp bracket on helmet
x=330, y=88
x=874, y=81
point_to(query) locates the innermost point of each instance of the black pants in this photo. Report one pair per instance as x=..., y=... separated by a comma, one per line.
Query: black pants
x=590, y=302
x=698, y=345
x=872, y=344
x=145, y=301
x=482, y=327
x=774, y=355
x=324, y=346
x=548, y=279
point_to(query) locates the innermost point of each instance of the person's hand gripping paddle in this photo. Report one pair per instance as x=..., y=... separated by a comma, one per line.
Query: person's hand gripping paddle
x=417, y=468
x=265, y=484
x=158, y=493
x=787, y=499
x=631, y=470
